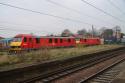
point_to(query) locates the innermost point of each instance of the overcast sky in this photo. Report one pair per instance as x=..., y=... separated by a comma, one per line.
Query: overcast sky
x=60, y=15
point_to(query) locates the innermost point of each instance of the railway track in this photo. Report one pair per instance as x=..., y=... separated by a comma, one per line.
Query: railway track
x=20, y=75
x=108, y=75
x=59, y=74
x=63, y=76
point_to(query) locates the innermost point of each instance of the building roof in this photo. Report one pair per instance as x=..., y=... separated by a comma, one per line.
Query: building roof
x=54, y=37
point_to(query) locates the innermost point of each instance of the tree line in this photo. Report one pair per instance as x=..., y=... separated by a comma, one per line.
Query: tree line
x=103, y=32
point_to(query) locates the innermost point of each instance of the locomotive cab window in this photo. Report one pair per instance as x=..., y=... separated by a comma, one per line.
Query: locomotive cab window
x=50, y=40
x=17, y=39
x=37, y=40
x=25, y=39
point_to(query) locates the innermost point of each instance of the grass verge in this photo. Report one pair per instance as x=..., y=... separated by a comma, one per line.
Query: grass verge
x=50, y=54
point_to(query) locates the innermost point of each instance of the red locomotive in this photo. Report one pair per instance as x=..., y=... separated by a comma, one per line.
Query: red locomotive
x=90, y=41
x=29, y=42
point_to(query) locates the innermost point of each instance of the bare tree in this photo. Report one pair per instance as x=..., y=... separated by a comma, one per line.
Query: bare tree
x=82, y=32
x=66, y=33
x=101, y=30
x=94, y=32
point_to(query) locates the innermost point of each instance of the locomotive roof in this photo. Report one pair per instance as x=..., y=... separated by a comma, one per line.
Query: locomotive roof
x=54, y=37
x=30, y=35
x=22, y=35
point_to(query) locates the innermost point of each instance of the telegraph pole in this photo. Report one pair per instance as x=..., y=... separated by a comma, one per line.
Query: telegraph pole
x=92, y=31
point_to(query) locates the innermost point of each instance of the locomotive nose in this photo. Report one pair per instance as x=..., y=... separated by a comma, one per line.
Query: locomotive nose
x=15, y=46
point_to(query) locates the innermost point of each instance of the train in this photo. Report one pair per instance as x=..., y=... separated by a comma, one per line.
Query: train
x=22, y=42
x=28, y=42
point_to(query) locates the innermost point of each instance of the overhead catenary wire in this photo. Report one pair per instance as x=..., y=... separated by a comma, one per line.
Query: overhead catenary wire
x=77, y=11
x=9, y=29
x=116, y=7
x=3, y=28
x=24, y=25
x=101, y=10
x=55, y=16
